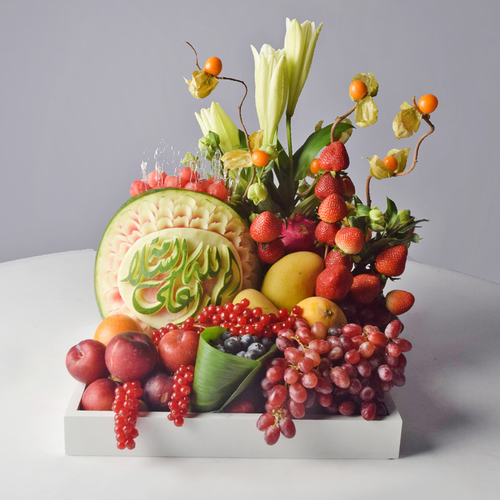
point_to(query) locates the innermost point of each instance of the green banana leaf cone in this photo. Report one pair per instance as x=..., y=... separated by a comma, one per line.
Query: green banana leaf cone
x=220, y=377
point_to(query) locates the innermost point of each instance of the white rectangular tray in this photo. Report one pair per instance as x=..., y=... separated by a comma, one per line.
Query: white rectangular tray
x=232, y=435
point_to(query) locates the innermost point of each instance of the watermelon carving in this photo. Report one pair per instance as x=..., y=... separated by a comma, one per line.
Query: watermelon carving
x=169, y=252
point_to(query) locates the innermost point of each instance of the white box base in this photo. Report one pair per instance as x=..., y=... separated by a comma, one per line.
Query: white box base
x=232, y=435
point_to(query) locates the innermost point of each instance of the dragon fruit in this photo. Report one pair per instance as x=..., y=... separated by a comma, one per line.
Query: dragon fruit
x=298, y=234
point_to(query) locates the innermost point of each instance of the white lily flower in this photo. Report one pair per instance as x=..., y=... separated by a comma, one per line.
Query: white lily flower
x=300, y=42
x=215, y=119
x=271, y=88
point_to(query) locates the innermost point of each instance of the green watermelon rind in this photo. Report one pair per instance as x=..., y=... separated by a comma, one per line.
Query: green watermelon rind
x=251, y=266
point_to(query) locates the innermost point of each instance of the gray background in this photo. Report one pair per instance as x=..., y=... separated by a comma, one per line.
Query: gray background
x=89, y=89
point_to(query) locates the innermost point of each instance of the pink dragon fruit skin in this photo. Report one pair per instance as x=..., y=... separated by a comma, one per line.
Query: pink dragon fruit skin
x=297, y=234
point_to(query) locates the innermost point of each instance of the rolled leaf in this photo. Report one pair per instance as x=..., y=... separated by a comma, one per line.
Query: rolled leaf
x=220, y=377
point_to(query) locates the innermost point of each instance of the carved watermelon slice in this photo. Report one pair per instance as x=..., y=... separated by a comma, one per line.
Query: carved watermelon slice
x=167, y=253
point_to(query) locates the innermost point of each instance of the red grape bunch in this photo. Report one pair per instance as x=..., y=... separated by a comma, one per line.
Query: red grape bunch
x=345, y=370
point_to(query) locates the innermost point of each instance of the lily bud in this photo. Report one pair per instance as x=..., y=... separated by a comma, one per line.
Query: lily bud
x=214, y=119
x=300, y=42
x=271, y=88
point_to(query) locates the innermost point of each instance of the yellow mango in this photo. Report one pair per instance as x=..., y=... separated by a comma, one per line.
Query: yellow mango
x=292, y=279
x=256, y=299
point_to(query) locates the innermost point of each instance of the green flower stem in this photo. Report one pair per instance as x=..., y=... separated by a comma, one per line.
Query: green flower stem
x=289, y=138
x=250, y=182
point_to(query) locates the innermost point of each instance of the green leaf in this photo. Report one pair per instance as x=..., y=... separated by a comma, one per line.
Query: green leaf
x=220, y=377
x=391, y=213
x=313, y=145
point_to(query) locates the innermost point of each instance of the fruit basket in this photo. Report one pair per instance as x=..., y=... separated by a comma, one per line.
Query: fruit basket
x=246, y=292
x=232, y=435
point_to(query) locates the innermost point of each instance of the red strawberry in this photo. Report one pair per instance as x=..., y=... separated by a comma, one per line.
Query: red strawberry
x=327, y=185
x=350, y=240
x=392, y=261
x=265, y=227
x=334, y=157
x=334, y=282
x=332, y=208
x=337, y=257
x=365, y=288
x=399, y=301
x=349, y=189
x=325, y=232
x=270, y=252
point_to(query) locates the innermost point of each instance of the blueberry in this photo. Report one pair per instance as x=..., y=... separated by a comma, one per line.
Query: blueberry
x=224, y=336
x=256, y=349
x=247, y=340
x=267, y=342
x=232, y=345
x=241, y=354
x=252, y=354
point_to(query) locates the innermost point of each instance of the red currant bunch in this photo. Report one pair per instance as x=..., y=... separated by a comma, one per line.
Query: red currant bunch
x=239, y=319
x=126, y=409
x=179, y=404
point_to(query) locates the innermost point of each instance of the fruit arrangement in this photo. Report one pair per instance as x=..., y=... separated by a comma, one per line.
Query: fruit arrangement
x=252, y=280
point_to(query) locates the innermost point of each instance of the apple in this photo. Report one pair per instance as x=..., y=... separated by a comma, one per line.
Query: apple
x=158, y=391
x=85, y=361
x=99, y=395
x=130, y=356
x=178, y=347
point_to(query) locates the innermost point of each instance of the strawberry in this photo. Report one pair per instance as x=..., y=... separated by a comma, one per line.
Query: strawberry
x=334, y=157
x=332, y=208
x=365, y=288
x=265, y=227
x=328, y=184
x=334, y=282
x=349, y=189
x=325, y=232
x=392, y=261
x=337, y=257
x=399, y=301
x=270, y=252
x=350, y=240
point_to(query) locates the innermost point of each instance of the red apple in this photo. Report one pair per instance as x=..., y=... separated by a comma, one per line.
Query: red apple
x=158, y=391
x=99, y=395
x=130, y=356
x=85, y=361
x=178, y=347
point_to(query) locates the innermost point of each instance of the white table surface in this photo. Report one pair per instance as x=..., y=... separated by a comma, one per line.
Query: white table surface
x=450, y=404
